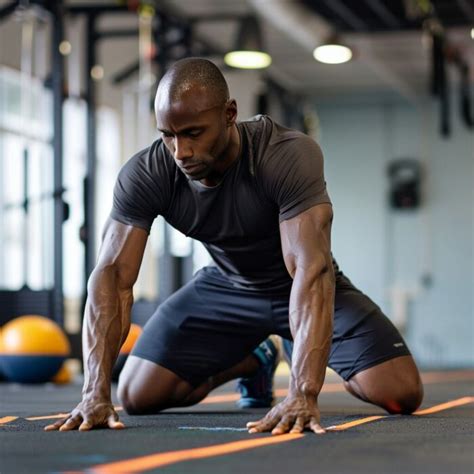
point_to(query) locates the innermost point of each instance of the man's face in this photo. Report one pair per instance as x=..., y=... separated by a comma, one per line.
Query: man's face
x=196, y=134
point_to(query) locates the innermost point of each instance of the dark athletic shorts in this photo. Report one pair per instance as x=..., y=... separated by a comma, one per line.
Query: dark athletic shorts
x=209, y=325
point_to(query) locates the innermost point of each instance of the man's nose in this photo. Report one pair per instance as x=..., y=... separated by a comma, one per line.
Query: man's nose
x=182, y=150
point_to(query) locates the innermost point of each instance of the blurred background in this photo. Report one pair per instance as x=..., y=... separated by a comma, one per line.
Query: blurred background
x=385, y=87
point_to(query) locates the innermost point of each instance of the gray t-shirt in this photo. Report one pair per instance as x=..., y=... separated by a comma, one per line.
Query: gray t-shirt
x=278, y=175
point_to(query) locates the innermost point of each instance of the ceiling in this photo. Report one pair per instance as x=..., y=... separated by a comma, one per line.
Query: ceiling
x=390, y=54
x=392, y=15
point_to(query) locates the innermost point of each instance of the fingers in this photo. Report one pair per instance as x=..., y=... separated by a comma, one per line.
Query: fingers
x=273, y=422
x=56, y=426
x=253, y=424
x=64, y=424
x=286, y=424
x=85, y=426
x=114, y=423
x=283, y=425
x=265, y=424
x=298, y=426
x=87, y=419
x=71, y=423
x=316, y=427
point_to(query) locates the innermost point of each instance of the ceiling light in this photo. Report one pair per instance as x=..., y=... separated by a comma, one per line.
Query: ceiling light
x=65, y=48
x=248, y=59
x=332, y=53
x=97, y=72
x=249, y=52
x=472, y=33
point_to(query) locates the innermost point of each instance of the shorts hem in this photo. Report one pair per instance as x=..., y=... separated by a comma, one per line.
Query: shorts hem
x=373, y=363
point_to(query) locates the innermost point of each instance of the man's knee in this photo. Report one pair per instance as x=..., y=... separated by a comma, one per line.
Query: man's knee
x=406, y=400
x=130, y=403
x=142, y=400
x=394, y=385
x=406, y=386
x=146, y=388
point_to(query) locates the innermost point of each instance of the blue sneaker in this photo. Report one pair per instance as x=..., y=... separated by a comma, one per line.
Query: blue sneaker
x=257, y=391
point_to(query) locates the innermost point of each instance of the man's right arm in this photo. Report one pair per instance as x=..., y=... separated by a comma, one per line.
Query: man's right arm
x=106, y=323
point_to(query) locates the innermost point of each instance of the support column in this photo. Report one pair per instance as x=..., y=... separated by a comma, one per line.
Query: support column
x=57, y=77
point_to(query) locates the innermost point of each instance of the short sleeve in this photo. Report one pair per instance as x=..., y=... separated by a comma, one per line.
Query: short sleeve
x=294, y=174
x=138, y=192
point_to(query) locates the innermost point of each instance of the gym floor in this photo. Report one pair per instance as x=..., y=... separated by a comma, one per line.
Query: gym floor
x=211, y=437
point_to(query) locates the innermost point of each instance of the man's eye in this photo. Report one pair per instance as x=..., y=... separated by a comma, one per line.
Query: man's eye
x=194, y=133
x=166, y=135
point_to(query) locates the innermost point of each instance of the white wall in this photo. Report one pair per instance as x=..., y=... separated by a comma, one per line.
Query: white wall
x=382, y=249
x=244, y=87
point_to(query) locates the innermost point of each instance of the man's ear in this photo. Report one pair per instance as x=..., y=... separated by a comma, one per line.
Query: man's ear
x=231, y=112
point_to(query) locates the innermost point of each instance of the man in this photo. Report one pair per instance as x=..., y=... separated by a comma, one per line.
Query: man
x=254, y=193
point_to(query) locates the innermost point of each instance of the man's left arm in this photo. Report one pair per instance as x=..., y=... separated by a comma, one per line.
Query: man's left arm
x=306, y=244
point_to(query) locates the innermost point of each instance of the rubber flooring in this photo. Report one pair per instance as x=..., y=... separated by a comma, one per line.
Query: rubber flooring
x=211, y=436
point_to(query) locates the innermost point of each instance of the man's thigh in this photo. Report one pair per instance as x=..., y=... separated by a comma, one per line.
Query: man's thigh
x=362, y=337
x=204, y=328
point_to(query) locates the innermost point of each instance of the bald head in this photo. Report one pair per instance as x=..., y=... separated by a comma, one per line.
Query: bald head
x=196, y=81
x=197, y=120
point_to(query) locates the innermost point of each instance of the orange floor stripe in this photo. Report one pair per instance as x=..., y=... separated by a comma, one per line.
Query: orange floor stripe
x=224, y=398
x=7, y=419
x=451, y=376
x=162, y=459
x=154, y=461
x=47, y=417
x=57, y=416
x=426, y=411
x=445, y=406
x=351, y=424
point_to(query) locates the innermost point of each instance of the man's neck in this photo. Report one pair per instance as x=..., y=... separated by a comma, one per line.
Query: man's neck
x=232, y=154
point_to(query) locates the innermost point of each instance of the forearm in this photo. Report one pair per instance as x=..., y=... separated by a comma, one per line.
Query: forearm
x=311, y=323
x=106, y=325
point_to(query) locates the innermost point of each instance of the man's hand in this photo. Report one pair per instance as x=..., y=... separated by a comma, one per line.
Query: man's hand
x=87, y=415
x=292, y=415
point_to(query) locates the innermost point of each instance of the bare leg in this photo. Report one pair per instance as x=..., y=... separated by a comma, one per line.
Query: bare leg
x=146, y=387
x=394, y=385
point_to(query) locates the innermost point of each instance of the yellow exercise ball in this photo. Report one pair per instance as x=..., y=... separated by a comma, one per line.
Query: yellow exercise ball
x=32, y=349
